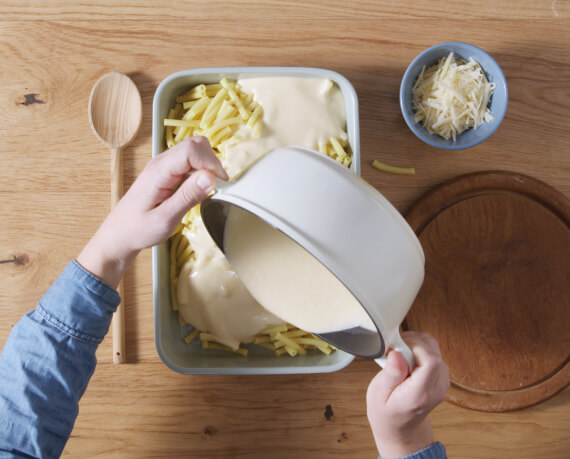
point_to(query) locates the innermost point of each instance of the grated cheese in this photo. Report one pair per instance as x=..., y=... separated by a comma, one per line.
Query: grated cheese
x=452, y=96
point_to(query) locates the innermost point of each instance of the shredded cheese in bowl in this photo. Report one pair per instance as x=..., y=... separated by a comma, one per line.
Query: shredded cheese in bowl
x=451, y=97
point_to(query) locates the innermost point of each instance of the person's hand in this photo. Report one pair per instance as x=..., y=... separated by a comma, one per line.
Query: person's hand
x=398, y=402
x=167, y=188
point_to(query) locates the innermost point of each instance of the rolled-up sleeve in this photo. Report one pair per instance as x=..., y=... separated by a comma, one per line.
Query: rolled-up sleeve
x=47, y=362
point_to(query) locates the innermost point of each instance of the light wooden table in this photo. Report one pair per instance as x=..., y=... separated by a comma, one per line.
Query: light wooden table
x=54, y=191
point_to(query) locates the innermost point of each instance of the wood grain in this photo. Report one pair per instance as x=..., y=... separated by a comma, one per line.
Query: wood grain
x=54, y=192
x=216, y=10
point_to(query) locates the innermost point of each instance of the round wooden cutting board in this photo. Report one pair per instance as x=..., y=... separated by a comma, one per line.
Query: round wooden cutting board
x=496, y=294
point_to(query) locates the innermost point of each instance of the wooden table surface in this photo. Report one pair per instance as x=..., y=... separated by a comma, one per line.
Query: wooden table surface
x=54, y=191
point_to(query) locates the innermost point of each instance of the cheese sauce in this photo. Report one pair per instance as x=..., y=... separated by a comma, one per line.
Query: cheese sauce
x=296, y=111
x=287, y=279
x=212, y=298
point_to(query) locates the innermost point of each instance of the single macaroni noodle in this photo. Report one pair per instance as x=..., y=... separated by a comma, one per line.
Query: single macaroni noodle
x=393, y=169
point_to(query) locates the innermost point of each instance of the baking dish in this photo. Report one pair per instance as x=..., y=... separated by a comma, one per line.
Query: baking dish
x=191, y=358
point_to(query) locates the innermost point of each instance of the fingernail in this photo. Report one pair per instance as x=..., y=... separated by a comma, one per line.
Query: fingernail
x=221, y=172
x=205, y=183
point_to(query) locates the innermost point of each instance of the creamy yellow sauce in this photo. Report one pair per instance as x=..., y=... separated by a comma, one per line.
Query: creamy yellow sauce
x=296, y=111
x=287, y=279
x=212, y=298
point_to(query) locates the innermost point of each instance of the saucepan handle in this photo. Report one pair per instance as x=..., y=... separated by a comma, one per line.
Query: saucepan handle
x=397, y=344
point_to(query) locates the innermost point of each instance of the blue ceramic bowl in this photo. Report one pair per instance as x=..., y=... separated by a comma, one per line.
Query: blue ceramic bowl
x=499, y=99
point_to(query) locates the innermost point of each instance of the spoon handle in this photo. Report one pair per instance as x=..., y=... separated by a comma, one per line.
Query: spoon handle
x=116, y=175
x=118, y=326
x=118, y=322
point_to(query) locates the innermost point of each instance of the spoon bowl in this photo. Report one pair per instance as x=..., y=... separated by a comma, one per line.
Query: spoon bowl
x=115, y=110
x=115, y=114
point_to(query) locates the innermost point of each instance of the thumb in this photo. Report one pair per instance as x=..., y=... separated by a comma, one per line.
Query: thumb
x=192, y=191
x=385, y=382
x=394, y=373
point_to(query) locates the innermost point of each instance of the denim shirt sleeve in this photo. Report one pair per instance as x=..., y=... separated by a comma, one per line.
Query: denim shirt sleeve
x=47, y=362
x=435, y=451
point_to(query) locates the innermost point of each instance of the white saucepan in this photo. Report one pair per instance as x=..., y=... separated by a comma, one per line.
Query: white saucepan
x=345, y=224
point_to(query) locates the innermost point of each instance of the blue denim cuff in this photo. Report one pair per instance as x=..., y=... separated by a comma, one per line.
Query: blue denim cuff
x=435, y=451
x=79, y=304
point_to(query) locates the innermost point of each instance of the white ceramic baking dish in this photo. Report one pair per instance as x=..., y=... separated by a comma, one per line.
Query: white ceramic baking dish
x=191, y=358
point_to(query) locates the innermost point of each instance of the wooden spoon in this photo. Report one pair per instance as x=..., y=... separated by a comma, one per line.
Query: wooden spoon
x=115, y=114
